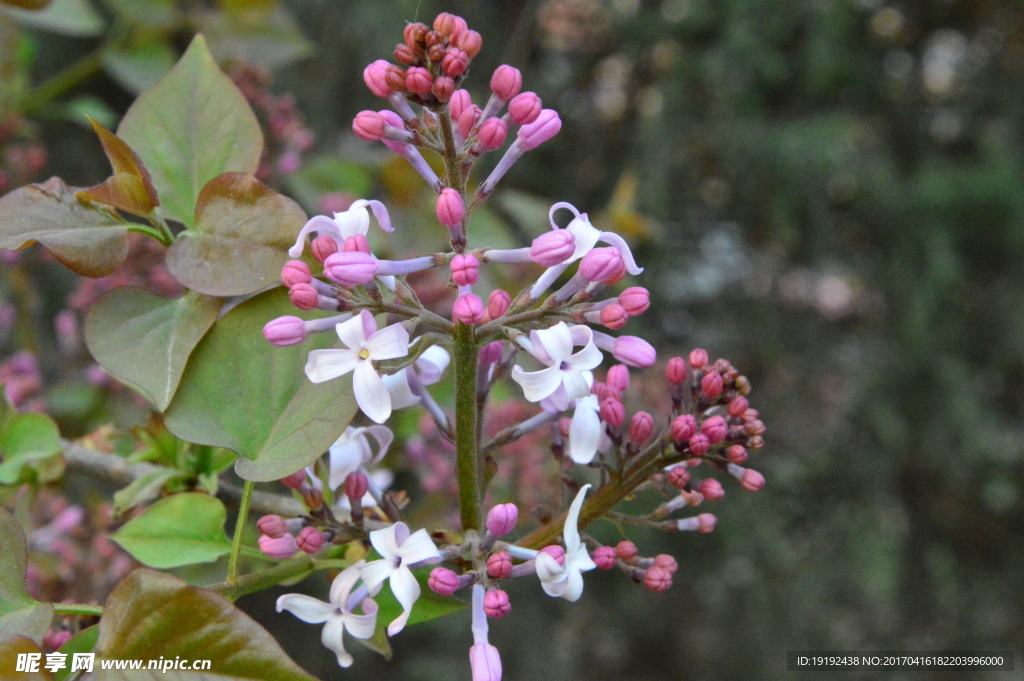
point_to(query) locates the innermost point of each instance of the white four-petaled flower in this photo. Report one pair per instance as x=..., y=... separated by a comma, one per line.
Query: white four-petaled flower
x=566, y=580
x=364, y=345
x=399, y=550
x=337, y=615
x=355, y=220
x=565, y=378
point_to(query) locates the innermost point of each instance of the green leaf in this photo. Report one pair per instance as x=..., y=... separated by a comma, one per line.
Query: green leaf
x=182, y=529
x=139, y=67
x=428, y=606
x=241, y=392
x=75, y=18
x=152, y=614
x=240, y=238
x=129, y=188
x=91, y=242
x=28, y=438
x=10, y=647
x=82, y=642
x=144, y=488
x=146, y=340
x=191, y=127
x=19, y=613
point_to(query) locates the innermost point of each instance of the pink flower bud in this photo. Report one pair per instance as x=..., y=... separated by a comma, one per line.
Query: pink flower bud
x=468, y=309
x=496, y=603
x=618, y=377
x=738, y=406
x=303, y=296
x=752, y=480
x=356, y=484
x=604, y=557
x=280, y=548
x=273, y=526
x=455, y=62
x=443, y=581
x=711, y=384
x=353, y=268
x=679, y=477
x=675, y=372
x=553, y=248
x=484, y=662
x=418, y=81
x=368, y=125
x=443, y=88
x=465, y=269
x=707, y=522
x=375, y=77
x=492, y=133
x=556, y=552
x=506, y=82
x=310, y=540
x=413, y=34
x=755, y=442
x=404, y=54
x=737, y=454
x=323, y=247
x=285, y=331
x=541, y=130
x=626, y=550
x=502, y=519
x=613, y=316
x=613, y=413
x=683, y=428
x=395, y=78
x=467, y=119
x=524, y=108
x=699, y=444
x=635, y=300
x=449, y=24
x=499, y=565
x=498, y=303
x=450, y=209
x=490, y=354
x=294, y=481
x=712, y=489
x=295, y=272
x=657, y=579
x=606, y=392
x=698, y=358
x=460, y=101
x=666, y=562
x=564, y=425
x=356, y=242
x=469, y=41
x=715, y=428
x=53, y=640
x=755, y=427
x=635, y=352
x=641, y=427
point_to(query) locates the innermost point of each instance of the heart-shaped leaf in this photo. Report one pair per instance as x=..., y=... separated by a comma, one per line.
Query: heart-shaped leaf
x=241, y=392
x=91, y=242
x=146, y=340
x=82, y=642
x=191, y=127
x=130, y=187
x=152, y=614
x=19, y=613
x=240, y=238
x=27, y=438
x=182, y=529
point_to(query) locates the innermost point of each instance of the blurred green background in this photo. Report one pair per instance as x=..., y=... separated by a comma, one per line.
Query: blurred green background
x=828, y=193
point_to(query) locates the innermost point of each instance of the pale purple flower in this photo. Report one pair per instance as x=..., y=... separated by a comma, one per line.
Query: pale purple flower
x=355, y=220
x=565, y=378
x=399, y=549
x=566, y=581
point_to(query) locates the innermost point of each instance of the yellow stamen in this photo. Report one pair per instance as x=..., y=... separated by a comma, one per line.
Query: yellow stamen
x=364, y=354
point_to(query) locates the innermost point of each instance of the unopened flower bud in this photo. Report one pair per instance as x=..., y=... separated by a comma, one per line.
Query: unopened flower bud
x=712, y=489
x=310, y=540
x=675, y=372
x=465, y=269
x=313, y=498
x=492, y=133
x=458, y=103
x=468, y=309
x=490, y=354
x=641, y=426
x=294, y=481
x=715, y=428
x=711, y=384
x=743, y=385
x=698, y=358
x=280, y=548
x=613, y=413
x=707, y=522
x=443, y=88
x=414, y=33
x=285, y=331
x=506, y=82
x=375, y=75
x=666, y=562
x=502, y=519
x=541, y=130
x=303, y=296
x=368, y=125
x=323, y=247
x=469, y=41
x=353, y=268
x=53, y=640
x=356, y=242
x=468, y=118
x=499, y=565
x=418, y=80
x=455, y=62
x=356, y=485
x=679, y=476
x=604, y=557
x=553, y=248
x=657, y=579
x=395, y=78
x=738, y=406
x=755, y=427
x=433, y=38
x=737, y=454
x=618, y=377
x=273, y=526
x=613, y=317
x=635, y=352
x=752, y=481
x=626, y=550
x=295, y=272
x=524, y=108
x=498, y=303
x=449, y=24
x=450, y=208
x=635, y=300
x=556, y=552
x=683, y=428
x=496, y=603
x=443, y=581
x=699, y=444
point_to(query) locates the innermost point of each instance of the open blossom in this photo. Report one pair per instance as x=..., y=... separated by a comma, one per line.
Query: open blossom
x=427, y=370
x=564, y=379
x=585, y=432
x=337, y=615
x=566, y=580
x=351, y=451
x=364, y=344
x=399, y=549
x=349, y=223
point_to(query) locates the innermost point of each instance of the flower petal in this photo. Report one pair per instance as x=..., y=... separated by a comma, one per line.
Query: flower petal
x=363, y=626
x=584, y=434
x=431, y=364
x=355, y=220
x=321, y=224
x=406, y=590
x=623, y=248
x=581, y=560
x=548, y=569
x=586, y=236
x=331, y=637
x=557, y=341
x=402, y=395
x=351, y=333
x=570, y=533
x=371, y=394
x=384, y=438
x=587, y=358
x=306, y=608
x=379, y=211
x=389, y=343
x=386, y=544
x=573, y=586
x=537, y=384
x=575, y=385
x=346, y=457
x=342, y=585
x=323, y=365
x=418, y=547
x=375, y=572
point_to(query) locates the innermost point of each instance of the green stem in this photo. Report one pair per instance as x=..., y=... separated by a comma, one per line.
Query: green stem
x=466, y=457
x=236, y=541
x=63, y=81
x=76, y=609
x=150, y=232
x=264, y=579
